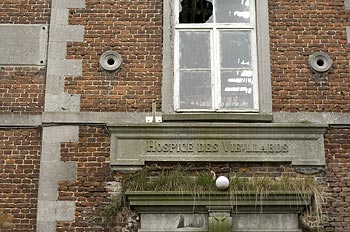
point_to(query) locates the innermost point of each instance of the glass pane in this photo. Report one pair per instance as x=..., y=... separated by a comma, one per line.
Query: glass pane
x=232, y=11
x=235, y=49
x=195, y=90
x=194, y=49
x=196, y=11
x=237, y=89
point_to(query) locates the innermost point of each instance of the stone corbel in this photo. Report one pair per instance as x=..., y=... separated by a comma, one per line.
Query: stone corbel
x=220, y=219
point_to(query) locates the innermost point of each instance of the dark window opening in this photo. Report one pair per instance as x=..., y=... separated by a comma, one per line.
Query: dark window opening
x=195, y=11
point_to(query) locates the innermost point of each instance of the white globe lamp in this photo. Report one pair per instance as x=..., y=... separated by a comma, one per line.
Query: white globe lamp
x=222, y=183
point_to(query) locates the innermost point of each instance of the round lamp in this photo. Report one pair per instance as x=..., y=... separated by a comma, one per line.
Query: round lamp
x=222, y=182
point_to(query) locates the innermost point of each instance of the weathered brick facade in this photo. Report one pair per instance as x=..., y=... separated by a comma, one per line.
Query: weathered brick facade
x=135, y=29
x=337, y=207
x=22, y=90
x=298, y=29
x=89, y=192
x=20, y=165
x=25, y=12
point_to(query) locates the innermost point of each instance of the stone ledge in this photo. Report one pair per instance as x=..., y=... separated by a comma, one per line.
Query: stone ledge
x=240, y=201
x=20, y=120
x=217, y=117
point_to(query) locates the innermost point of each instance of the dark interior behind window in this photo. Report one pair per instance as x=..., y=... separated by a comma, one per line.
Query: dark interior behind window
x=195, y=11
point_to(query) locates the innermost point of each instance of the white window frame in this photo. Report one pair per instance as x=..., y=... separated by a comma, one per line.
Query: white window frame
x=264, y=99
x=215, y=29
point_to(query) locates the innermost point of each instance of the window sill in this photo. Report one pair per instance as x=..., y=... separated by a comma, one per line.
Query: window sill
x=217, y=117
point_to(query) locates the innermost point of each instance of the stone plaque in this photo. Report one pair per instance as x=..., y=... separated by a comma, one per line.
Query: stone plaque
x=299, y=144
x=23, y=44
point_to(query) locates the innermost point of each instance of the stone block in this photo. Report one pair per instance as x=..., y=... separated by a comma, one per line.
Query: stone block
x=54, y=84
x=57, y=134
x=348, y=33
x=265, y=222
x=65, y=4
x=174, y=222
x=58, y=51
x=59, y=16
x=64, y=67
x=56, y=210
x=45, y=226
x=58, y=171
x=49, y=192
x=73, y=33
x=62, y=103
x=347, y=4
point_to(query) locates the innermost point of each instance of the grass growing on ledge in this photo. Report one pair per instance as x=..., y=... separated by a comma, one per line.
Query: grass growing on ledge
x=181, y=180
x=178, y=179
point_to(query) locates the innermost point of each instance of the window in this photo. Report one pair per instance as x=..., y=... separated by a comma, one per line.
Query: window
x=216, y=56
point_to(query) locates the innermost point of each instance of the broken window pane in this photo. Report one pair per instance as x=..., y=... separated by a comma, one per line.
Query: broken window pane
x=194, y=49
x=195, y=90
x=195, y=11
x=237, y=89
x=235, y=49
x=232, y=11
x=215, y=55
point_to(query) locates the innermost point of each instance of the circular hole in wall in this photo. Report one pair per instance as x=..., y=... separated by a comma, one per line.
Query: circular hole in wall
x=110, y=61
x=320, y=62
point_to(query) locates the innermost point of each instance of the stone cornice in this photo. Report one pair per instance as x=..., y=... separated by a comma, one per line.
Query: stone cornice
x=18, y=120
x=149, y=201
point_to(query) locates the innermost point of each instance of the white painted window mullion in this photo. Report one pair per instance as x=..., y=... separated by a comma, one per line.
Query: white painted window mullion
x=216, y=69
x=176, y=72
x=215, y=63
x=254, y=57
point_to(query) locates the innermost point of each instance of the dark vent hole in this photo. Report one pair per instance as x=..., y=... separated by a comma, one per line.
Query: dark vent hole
x=110, y=61
x=320, y=62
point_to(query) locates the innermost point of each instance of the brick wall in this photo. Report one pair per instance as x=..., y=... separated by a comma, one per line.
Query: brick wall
x=298, y=29
x=133, y=28
x=19, y=174
x=24, y=11
x=338, y=179
x=22, y=90
x=89, y=191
